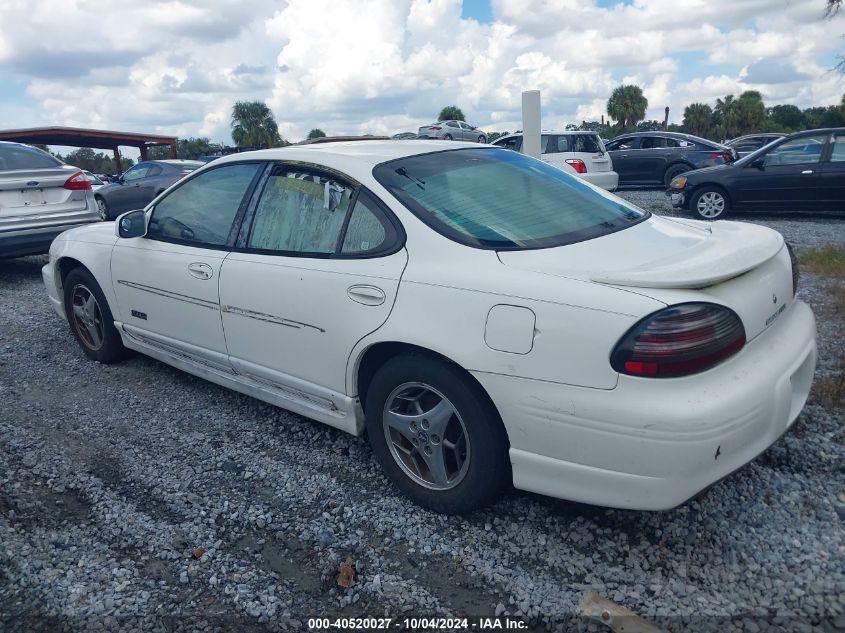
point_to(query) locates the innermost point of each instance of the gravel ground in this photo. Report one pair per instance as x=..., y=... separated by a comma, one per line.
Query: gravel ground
x=112, y=477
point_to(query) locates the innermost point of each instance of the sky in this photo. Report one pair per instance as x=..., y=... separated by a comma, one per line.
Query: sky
x=388, y=66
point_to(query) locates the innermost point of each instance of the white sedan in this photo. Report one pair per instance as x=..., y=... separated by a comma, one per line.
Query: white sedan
x=485, y=317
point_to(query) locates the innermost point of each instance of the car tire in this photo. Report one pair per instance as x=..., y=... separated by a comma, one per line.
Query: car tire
x=672, y=172
x=465, y=440
x=447, y=137
x=710, y=203
x=481, y=139
x=90, y=318
x=103, y=208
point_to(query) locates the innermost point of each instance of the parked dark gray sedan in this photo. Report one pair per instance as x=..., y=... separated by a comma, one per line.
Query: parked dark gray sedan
x=140, y=184
x=655, y=158
x=800, y=173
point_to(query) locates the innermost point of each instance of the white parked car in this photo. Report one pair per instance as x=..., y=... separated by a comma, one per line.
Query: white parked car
x=486, y=317
x=580, y=152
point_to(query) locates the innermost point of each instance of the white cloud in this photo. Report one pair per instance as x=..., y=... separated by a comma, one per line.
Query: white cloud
x=384, y=66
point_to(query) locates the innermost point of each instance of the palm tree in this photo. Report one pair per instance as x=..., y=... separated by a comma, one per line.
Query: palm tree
x=627, y=105
x=451, y=113
x=316, y=133
x=751, y=112
x=726, y=115
x=698, y=119
x=253, y=125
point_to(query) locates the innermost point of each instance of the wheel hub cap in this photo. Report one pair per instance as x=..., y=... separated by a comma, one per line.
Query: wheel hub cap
x=426, y=436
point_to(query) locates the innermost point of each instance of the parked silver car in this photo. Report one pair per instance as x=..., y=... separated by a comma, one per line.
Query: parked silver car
x=40, y=197
x=453, y=130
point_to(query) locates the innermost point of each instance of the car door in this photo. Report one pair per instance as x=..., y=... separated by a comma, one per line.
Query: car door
x=145, y=188
x=831, y=191
x=623, y=152
x=453, y=130
x=785, y=177
x=654, y=155
x=124, y=194
x=317, y=269
x=166, y=282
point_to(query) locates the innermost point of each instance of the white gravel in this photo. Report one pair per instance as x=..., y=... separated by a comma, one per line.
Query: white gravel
x=112, y=476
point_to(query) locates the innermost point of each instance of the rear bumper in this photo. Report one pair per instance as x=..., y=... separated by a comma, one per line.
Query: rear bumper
x=18, y=243
x=652, y=444
x=605, y=179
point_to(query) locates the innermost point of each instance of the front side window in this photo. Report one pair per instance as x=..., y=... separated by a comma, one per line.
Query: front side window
x=502, y=200
x=807, y=149
x=136, y=172
x=622, y=143
x=23, y=157
x=202, y=210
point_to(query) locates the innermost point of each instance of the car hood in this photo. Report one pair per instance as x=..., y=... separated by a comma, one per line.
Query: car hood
x=708, y=170
x=658, y=253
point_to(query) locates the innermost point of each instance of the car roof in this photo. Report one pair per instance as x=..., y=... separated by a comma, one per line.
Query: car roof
x=369, y=153
x=562, y=132
x=176, y=162
x=676, y=135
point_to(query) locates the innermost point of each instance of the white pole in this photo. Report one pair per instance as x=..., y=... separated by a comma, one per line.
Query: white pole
x=531, y=123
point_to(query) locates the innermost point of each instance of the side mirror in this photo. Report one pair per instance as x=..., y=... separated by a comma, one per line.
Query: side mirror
x=132, y=224
x=760, y=163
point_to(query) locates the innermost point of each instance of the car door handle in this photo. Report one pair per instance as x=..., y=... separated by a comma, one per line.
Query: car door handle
x=200, y=270
x=366, y=295
x=807, y=171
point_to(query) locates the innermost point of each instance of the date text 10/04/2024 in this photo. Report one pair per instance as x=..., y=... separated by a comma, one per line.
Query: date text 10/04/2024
x=417, y=623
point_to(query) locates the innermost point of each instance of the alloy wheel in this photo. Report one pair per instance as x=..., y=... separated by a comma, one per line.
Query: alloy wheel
x=710, y=204
x=101, y=207
x=87, y=317
x=426, y=436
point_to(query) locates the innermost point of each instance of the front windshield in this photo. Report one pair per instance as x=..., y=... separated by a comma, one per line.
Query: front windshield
x=757, y=153
x=492, y=198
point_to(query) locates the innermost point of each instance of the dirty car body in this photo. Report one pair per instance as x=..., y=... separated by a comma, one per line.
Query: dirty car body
x=486, y=317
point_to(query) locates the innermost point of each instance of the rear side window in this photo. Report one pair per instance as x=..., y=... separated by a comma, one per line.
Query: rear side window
x=22, y=157
x=201, y=211
x=502, y=200
x=622, y=143
x=300, y=212
x=514, y=143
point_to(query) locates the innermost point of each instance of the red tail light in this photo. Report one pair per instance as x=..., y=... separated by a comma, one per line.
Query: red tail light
x=182, y=174
x=679, y=340
x=434, y=127
x=725, y=156
x=78, y=182
x=577, y=164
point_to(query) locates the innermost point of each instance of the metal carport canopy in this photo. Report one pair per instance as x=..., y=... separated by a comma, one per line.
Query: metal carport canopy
x=95, y=139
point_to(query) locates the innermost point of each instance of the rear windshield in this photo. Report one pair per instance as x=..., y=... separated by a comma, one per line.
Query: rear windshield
x=22, y=157
x=490, y=198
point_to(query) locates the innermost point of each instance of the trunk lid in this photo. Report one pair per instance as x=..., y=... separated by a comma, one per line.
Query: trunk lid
x=25, y=192
x=743, y=266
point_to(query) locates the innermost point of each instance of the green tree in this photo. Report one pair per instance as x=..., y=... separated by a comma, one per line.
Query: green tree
x=627, y=106
x=451, y=113
x=786, y=118
x=649, y=126
x=751, y=112
x=725, y=116
x=492, y=136
x=316, y=133
x=253, y=125
x=186, y=148
x=98, y=163
x=698, y=119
